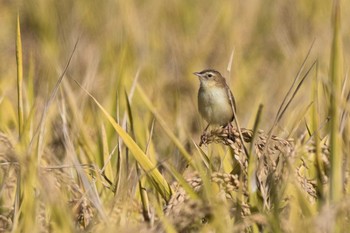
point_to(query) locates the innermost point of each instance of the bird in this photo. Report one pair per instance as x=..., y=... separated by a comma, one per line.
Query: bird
x=215, y=99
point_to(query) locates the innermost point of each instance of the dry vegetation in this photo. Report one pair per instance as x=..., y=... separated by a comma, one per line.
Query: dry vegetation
x=99, y=129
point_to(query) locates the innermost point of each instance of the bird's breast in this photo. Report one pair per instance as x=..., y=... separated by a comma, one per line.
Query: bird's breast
x=214, y=105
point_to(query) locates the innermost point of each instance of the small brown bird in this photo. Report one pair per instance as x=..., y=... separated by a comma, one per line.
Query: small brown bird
x=215, y=99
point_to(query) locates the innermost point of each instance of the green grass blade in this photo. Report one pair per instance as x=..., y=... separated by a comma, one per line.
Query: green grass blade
x=253, y=161
x=107, y=166
x=336, y=75
x=315, y=127
x=157, y=179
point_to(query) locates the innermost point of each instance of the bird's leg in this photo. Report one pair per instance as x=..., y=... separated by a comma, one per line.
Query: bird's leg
x=229, y=128
x=205, y=130
x=204, y=136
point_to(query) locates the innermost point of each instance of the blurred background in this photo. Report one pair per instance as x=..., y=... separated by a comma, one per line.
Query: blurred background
x=158, y=45
x=164, y=42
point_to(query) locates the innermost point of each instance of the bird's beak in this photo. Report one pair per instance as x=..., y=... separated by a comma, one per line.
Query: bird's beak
x=197, y=74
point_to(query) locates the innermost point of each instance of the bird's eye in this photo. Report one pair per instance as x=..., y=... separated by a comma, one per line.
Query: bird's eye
x=210, y=75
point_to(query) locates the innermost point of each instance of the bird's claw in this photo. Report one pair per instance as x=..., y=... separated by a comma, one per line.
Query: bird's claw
x=204, y=138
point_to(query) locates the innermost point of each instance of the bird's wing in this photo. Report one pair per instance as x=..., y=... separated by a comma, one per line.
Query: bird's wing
x=231, y=98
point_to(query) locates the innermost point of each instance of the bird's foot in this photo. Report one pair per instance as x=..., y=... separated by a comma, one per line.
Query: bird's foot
x=229, y=128
x=204, y=138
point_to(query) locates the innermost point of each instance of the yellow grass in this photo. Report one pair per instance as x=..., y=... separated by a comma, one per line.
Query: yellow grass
x=99, y=128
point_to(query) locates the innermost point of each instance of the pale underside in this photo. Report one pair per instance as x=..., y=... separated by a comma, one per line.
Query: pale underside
x=214, y=105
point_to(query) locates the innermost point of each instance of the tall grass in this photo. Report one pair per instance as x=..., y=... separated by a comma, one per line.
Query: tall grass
x=336, y=76
x=19, y=78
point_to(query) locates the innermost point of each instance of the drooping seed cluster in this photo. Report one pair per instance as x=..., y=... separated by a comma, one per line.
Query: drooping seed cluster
x=273, y=159
x=188, y=214
x=277, y=161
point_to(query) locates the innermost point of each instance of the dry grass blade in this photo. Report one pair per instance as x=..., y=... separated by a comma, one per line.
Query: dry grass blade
x=88, y=186
x=345, y=83
x=150, y=136
x=129, y=98
x=120, y=160
x=144, y=197
x=290, y=89
x=345, y=115
x=182, y=181
x=129, y=114
x=295, y=92
x=256, y=125
x=345, y=111
x=105, y=148
x=233, y=106
x=19, y=78
x=315, y=126
x=324, y=123
x=298, y=119
x=238, y=126
x=204, y=157
x=143, y=192
x=41, y=125
x=229, y=65
x=107, y=170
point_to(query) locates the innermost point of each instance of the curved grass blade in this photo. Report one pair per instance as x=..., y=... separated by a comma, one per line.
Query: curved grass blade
x=157, y=179
x=163, y=124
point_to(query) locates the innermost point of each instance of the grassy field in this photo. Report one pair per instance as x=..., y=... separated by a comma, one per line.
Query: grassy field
x=99, y=128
